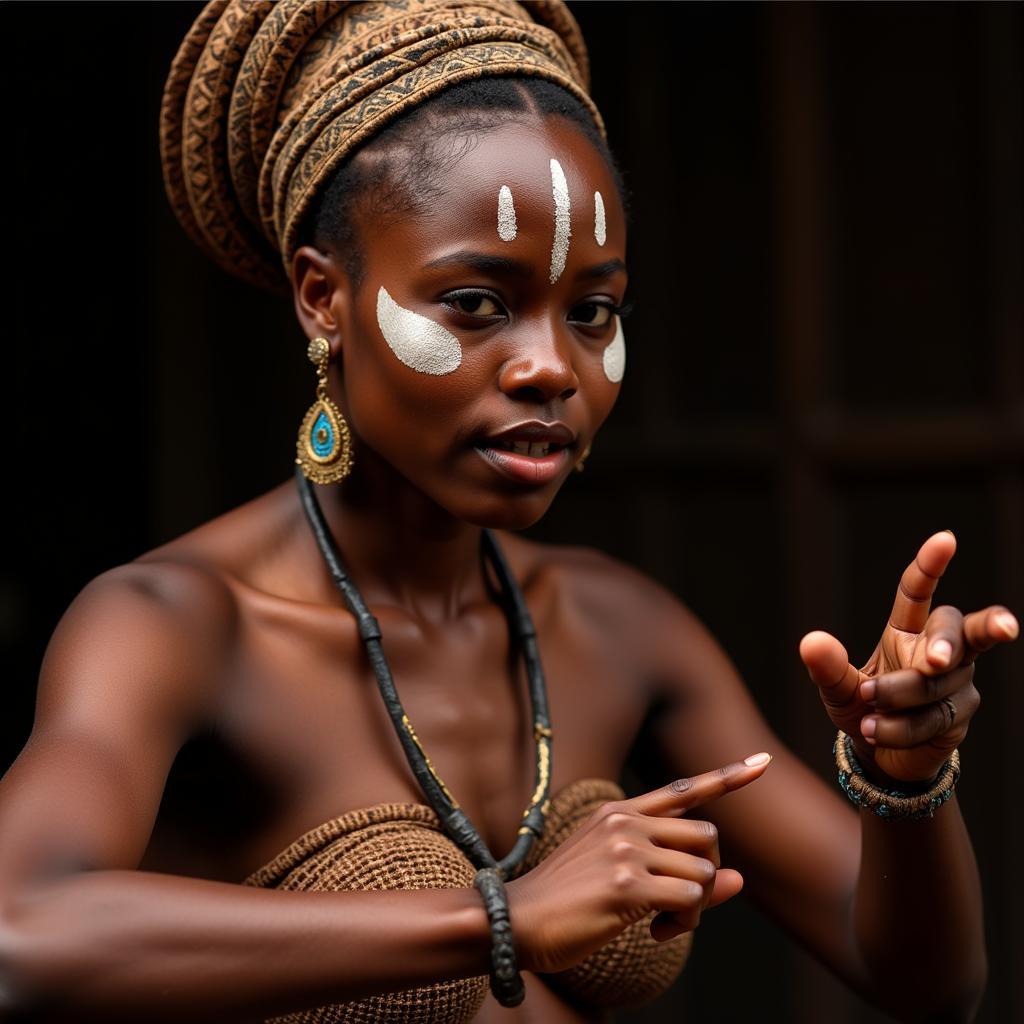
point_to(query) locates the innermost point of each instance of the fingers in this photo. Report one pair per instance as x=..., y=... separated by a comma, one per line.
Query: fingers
x=909, y=688
x=947, y=717
x=918, y=583
x=942, y=642
x=672, y=922
x=991, y=626
x=690, y=834
x=684, y=866
x=950, y=637
x=684, y=794
x=728, y=882
x=829, y=667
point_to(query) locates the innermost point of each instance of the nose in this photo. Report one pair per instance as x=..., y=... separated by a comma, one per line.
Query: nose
x=539, y=370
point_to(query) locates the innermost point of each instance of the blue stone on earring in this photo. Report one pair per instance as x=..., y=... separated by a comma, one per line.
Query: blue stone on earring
x=321, y=437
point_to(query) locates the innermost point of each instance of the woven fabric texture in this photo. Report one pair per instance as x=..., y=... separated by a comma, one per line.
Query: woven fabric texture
x=401, y=846
x=266, y=99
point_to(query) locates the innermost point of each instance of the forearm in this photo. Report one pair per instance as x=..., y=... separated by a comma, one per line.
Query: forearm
x=917, y=916
x=129, y=945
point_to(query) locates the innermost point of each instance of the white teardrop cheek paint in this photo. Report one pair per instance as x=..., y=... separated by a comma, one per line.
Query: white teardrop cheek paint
x=560, y=245
x=614, y=358
x=600, y=228
x=506, y=215
x=420, y=343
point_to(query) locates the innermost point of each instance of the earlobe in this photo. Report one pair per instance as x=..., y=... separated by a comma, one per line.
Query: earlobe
x=322, y=294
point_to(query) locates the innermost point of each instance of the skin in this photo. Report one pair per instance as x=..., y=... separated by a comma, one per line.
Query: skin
x=117, y=906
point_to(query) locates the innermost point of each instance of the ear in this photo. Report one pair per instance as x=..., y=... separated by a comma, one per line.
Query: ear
x=323, y=296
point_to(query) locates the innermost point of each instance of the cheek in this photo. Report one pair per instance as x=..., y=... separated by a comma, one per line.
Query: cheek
x=614, y=358
x=418, y=342
x=406, y=385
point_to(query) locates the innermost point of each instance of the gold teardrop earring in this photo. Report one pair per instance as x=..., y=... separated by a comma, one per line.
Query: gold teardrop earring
x=583, y=458
x=324, y=447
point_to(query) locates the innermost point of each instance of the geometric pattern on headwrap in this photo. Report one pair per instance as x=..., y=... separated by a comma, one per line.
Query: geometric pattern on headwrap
x=266, y=99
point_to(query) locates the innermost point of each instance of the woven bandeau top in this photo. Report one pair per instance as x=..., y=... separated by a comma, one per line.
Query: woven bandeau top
x=402, y=846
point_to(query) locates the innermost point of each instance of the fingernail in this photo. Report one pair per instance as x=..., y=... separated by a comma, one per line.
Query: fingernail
x=941, y=651
x=867, y=690
x=755, y=760
x=867, y=727
x=1008, y=624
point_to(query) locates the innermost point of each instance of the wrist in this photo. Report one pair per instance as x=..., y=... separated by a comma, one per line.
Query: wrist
x=865, y=753
x=522, y=927
x=893, y=801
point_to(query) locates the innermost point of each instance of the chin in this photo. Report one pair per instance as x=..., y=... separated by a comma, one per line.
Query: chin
x=508, y=511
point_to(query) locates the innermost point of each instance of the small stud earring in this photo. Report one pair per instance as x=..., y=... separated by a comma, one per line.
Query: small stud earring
x=324, y=446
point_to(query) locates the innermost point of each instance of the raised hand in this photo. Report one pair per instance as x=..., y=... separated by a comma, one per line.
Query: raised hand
x=911, y=703
x=629, y=858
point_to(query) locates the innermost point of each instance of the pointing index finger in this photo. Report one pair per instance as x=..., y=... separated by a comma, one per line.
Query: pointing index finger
x=683, y=795
x=918, y=582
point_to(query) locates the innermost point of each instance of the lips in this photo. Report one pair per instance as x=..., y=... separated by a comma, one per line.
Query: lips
x=532, y=452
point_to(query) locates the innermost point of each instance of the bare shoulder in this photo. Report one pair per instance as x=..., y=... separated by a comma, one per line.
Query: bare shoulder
x=165, y=623
x=157, y=630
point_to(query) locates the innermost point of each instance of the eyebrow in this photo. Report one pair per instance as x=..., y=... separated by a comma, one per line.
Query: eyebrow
x=485, y=263
x=605, y=269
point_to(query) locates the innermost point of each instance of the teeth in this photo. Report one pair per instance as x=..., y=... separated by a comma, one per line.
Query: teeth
x=536, y=450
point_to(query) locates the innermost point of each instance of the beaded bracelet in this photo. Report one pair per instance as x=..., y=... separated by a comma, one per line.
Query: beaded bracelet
x=506, y=981
x=892, y=804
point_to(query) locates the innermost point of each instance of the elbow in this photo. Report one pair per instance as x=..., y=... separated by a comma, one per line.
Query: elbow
x=962, y=1006
x=11, y=1006
x=13, y=1001
x=935, y=1004
x=20, y=1002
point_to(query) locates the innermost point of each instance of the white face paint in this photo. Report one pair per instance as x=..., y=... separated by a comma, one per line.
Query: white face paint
x=560, y=245
x=506, y=215
x=614, y=358
x=418, y=342
x=600, y=233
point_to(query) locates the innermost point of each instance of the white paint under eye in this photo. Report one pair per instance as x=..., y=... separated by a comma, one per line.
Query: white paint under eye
x=560, y=245
x=600, y=230
x=506, y=215
x=418, y=341
x=614, y=358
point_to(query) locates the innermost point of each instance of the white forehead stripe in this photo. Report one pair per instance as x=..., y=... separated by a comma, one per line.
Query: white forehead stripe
x=600, y=231
x=418, y=342
x=614, y=358
x=560, y=245
x=506, y=215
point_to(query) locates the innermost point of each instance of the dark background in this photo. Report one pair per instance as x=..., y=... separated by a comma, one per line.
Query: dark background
x=825, y=365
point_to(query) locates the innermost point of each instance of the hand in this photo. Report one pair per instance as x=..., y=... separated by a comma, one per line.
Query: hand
x=629, y=858
x=911, y=703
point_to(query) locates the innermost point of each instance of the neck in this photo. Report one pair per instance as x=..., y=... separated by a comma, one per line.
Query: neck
x=400, y=547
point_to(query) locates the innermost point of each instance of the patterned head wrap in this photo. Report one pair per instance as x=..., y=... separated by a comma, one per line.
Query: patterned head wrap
x=266, y=99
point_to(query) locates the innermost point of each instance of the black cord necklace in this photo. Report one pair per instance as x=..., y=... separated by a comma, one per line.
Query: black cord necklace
x=455, y=821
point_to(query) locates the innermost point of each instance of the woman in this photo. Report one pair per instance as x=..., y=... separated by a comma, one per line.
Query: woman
x=429, y=175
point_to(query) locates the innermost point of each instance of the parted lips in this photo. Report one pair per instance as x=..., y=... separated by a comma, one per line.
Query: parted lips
x=266, y=99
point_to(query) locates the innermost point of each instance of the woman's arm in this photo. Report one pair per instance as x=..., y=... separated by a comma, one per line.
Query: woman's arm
x=894, y=908
x=83, y=935
x=128, y=945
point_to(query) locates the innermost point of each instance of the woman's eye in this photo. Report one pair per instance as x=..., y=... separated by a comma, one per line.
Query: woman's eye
x=475, y=304
x=591, y=314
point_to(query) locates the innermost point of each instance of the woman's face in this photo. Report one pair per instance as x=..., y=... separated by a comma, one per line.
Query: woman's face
x=482, y=350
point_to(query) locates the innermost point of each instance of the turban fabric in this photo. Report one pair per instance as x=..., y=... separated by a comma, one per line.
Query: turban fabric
x=266, y=99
